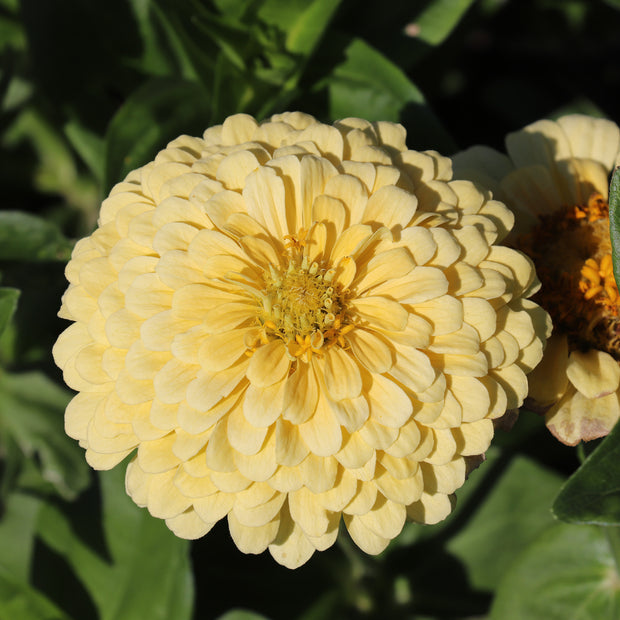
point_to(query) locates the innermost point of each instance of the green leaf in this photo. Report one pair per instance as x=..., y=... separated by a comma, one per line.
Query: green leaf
x=146, y=572
x=19, y=601
x=11, y=34
x=438, y=19
x=370, y=86
x=592, y=493
x=8, y=305
x=614, y=3
x=32, y=415
x=26, y=237
x=17, y=530
x=89, y=146
x=154, y=114
x=511, y=516
x=569, y=573
x=230, y=37
x=241, y=614
x=159, y=55
x=614, y=221
x=306, y=29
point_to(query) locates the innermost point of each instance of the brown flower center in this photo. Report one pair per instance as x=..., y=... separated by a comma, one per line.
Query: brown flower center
x=571, y=249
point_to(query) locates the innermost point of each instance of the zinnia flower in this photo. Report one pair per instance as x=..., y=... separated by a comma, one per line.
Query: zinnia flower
x=556, y=180
x=294, y=322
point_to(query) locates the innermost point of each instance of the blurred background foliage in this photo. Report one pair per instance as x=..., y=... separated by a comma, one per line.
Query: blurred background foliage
x=91, y=90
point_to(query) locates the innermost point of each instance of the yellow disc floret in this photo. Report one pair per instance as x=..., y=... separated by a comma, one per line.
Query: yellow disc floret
x=302, y=304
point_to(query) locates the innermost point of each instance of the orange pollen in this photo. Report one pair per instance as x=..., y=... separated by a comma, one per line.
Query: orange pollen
x=571, y=249
x=598, y=283
x=296, y=242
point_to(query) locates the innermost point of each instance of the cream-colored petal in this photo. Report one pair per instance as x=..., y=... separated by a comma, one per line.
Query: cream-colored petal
x=220, y=206
x=318, y=474
x=263, y=406
x=260, y=251
x=431, y=508
x=592, y=138
x=444, y=313
x=575, y=417
x=194, y=421
x=237, y=129
x=252, y=539
x=514, y=383
x=220, y=351
x=350, y=241
x=365, y=172
x=408, y=441
x=377, y=435
x=173, y=236
x=234, y=169
x=341, y=493
x=177, y=269
x=542, y=142
x=192, y=486
x=261, y=514
x=389, y=404
x=220, y=455
x=365, y=538
x=403, y=491
x=268, y=364
x=380, y=313
x=341, y=374
x=158, y=332
x=214, y=507
x=172, y=381
x=291, y=547
x=208, y=388
x=308, y=512
x=593, y=373
x=265, y=199
x=548, y=381
x=363, y=500
x=156, y=456
x=290, y=448
x=242, y=436
x=322, y=433
x=473, y=438
x=351, y=413
x=188, y=525
x=420, y=285
x=259, y=467
x=413, y=369
x=391, y=207
x=301, y=392
x=445, y=478
x=481, y=315
x=464, y=341
x=383, y=267
x=164, y=499
x=472, y=395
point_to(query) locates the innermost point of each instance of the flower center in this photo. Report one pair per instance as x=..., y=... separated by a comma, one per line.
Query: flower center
x=302, y=305
x=571, y=249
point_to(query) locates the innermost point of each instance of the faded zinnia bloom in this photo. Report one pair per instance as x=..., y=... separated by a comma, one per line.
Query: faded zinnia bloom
x=556, y=178
x=293, y=322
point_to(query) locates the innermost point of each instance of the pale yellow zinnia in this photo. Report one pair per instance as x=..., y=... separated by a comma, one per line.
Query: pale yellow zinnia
x=294, y=322
x=556, y=178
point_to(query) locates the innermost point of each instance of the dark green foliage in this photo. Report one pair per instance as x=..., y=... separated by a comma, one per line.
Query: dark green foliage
x=91, y=90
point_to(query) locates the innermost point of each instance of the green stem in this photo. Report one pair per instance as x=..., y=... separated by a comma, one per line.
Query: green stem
x=358, y=567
